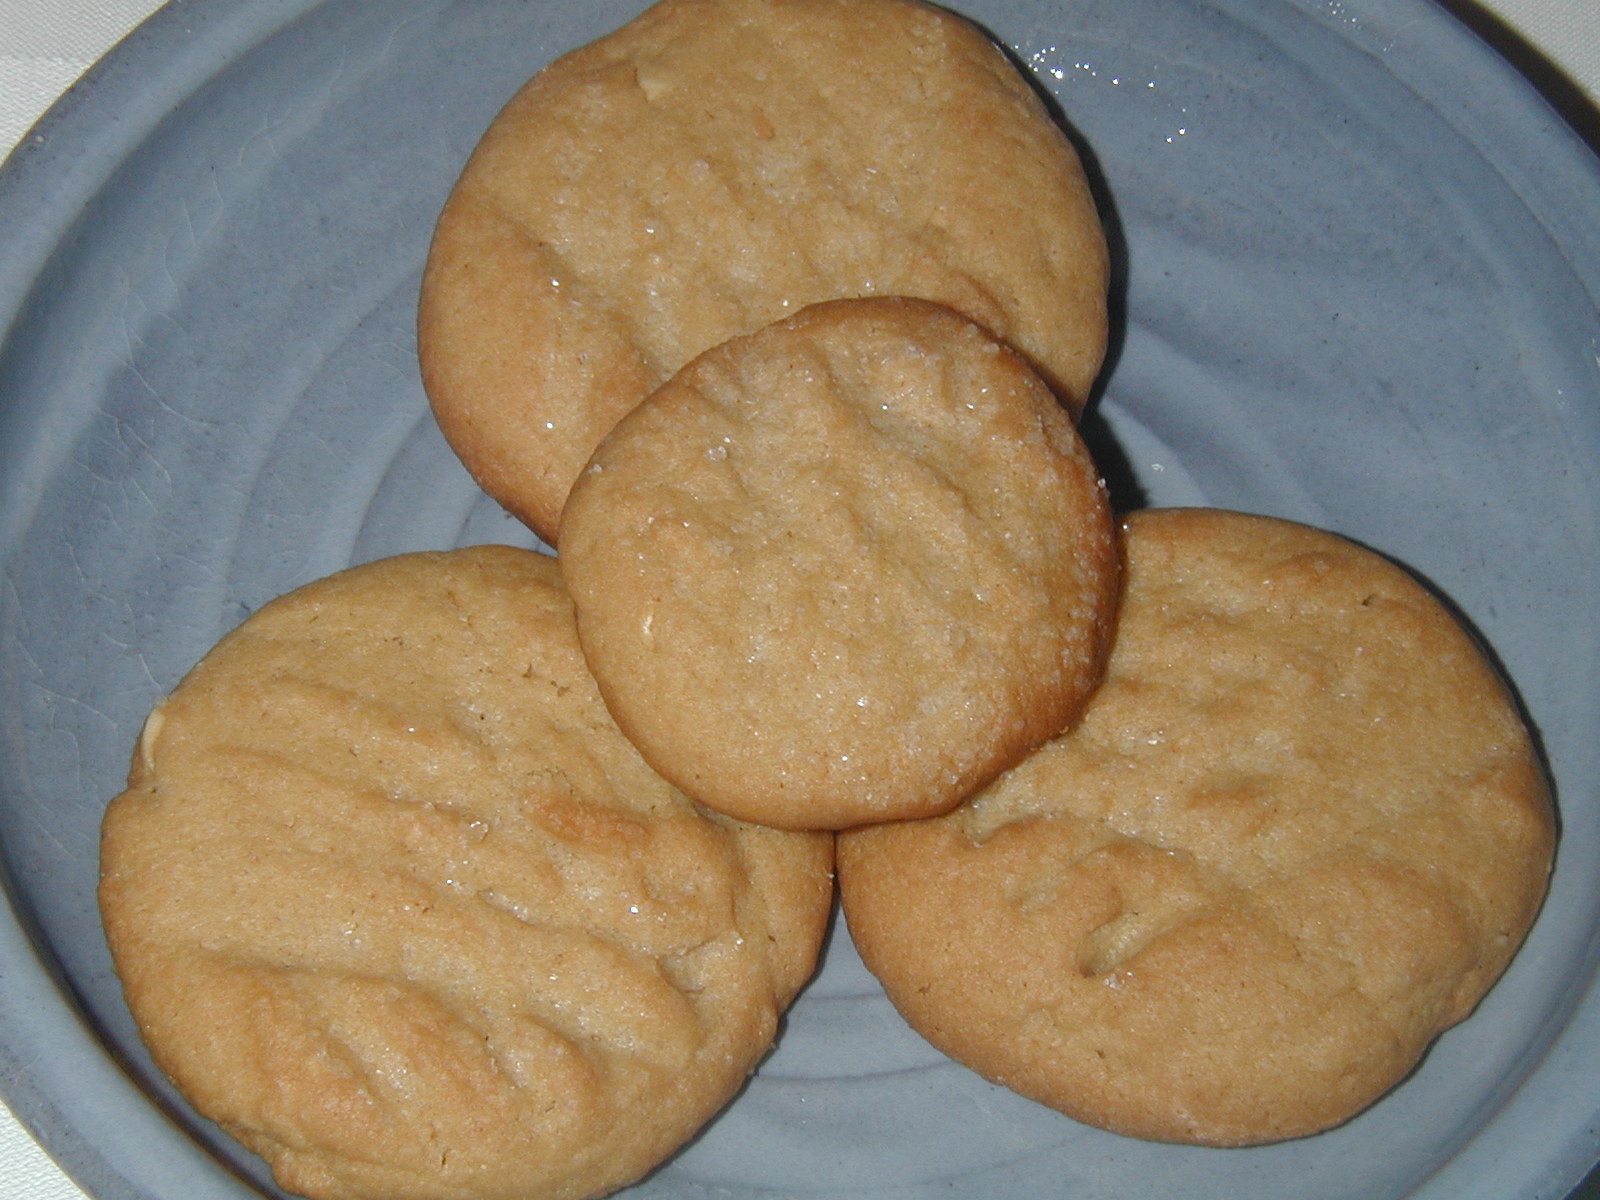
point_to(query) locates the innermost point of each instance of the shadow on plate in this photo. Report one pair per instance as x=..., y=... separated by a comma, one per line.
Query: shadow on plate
x=1558, y=89
x=1575, y=107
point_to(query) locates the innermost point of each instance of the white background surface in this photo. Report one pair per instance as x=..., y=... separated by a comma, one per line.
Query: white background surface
x=46, y=44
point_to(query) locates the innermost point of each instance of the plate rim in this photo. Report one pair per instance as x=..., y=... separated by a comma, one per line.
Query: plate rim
x=120, y=101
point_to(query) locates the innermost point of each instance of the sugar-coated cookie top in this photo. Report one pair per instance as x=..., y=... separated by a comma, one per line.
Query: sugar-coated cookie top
x=844, y=569
x=1299, y=830
x=395, y=903
x=716, y=165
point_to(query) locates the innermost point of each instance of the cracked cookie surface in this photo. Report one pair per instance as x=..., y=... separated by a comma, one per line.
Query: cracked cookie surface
x=845, y=569
x=1299, y=830
x=716, y=165
x=394, y=902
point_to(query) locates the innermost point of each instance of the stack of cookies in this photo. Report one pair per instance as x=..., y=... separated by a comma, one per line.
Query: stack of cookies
x=487, y=873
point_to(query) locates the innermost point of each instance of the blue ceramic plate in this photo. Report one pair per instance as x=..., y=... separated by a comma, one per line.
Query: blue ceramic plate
x=1360, y=262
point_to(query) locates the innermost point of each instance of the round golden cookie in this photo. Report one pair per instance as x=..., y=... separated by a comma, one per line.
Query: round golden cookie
x=394, y=902
x=716, y=165
x=1299, y=831
x=847, y=568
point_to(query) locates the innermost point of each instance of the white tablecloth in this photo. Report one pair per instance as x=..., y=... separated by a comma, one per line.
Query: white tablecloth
x=46, y=44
